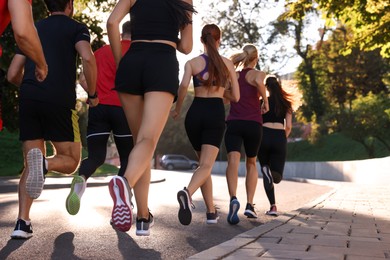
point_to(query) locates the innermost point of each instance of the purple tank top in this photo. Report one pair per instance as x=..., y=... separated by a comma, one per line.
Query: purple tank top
x=248, y=107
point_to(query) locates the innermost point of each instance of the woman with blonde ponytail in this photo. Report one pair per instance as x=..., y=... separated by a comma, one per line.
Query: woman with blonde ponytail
x=244, y=126
x=214, y=78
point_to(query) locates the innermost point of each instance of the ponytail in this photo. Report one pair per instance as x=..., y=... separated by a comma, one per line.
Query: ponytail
x=218, y=72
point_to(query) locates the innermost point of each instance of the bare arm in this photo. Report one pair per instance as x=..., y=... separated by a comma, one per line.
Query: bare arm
x=259, y=83
x=186, y=37
x=83, y=82
x=120, y=11
x=89, y=68
x=233, y=93
x=183, y=88
x=16, y=70
x=26, y=35
x=288, y=124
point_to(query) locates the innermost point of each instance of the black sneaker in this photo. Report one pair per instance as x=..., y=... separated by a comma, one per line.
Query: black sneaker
x=234, y=206
x=250, y=211
x=22, y=230
x=144, y=225
x=212, y=217
x=185, y=212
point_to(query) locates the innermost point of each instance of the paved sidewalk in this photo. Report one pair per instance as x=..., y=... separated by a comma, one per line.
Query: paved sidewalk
x=350, y=223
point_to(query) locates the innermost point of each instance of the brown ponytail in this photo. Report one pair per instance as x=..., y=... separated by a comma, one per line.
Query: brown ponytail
x=218, y=72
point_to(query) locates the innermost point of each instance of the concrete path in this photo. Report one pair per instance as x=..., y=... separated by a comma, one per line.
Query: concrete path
x=352, y=222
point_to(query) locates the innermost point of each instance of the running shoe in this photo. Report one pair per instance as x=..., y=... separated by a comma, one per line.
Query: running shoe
x=36, y=173
x=212, y=217
x=22, y=230
x=272, y=211
x=185, y=211
x=122, y=214
x=234, y=206
x=250, y=211
x=77, y=189
x=143, y=225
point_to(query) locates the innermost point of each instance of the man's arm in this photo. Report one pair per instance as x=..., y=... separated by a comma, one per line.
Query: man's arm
x=26, y=35
x=89, y=69
x=16, y=70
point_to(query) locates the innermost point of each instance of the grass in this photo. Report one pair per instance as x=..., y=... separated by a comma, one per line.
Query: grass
x=11, y=157
x=335, y=147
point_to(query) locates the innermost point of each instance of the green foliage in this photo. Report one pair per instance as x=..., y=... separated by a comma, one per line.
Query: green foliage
x=369, y=121
x=369, y=20
x=334, y=147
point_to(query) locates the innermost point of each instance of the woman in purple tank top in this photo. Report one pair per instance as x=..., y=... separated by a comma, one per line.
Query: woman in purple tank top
x=244, y=127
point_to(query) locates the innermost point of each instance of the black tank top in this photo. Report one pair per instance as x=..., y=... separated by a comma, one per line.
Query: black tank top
x=271, y=116
x=153, y=20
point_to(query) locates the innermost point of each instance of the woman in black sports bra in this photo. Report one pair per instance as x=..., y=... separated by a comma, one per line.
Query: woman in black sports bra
x=214, y=79
x=146, y=82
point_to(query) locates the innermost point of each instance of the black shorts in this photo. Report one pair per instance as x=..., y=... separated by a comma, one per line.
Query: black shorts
x=40, y=120
x=148, y=67
x=243, y=131
x=273, y=149
x=103, y=119
x=205, y=122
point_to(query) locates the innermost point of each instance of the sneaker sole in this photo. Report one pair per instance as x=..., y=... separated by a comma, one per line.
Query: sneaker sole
x=233, y=218
x=73, y=201
x=20, y=234
x=185, y=214
x=250, y=213
x=35, y=179
x=273, y=214
x=141, y=232
x=122, y=215
x=212, y=221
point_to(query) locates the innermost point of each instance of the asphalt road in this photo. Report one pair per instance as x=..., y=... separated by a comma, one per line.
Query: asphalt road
x=88, y=235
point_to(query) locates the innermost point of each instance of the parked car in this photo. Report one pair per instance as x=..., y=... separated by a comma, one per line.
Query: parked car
x=177, y=161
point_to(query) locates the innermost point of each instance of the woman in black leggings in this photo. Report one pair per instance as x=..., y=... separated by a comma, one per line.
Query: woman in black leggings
x=214, y=78
x=277, y=124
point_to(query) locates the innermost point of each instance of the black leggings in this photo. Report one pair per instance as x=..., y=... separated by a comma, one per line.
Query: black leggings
x=102, y=120
x=272, y=158
x=97, y=149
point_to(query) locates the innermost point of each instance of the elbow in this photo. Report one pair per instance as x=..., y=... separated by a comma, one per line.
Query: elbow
x=184, y=48
x=13, y=78
x=236, y=98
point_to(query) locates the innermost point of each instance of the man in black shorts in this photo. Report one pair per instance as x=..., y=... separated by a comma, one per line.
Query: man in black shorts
x=47, y=109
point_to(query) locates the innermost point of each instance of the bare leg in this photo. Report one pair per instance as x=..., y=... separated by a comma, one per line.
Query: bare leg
x=251, y=179
x=232, y=172
x=147, y=117
x=66, y=159
x=202, y=176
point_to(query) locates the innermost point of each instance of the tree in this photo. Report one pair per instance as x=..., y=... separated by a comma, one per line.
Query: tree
x=292, y=23
x=369, y=120
x=370, y=21
x=342, y=78
x=243, y=21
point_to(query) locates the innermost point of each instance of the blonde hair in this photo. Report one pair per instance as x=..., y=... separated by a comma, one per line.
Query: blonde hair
x=247, y=54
